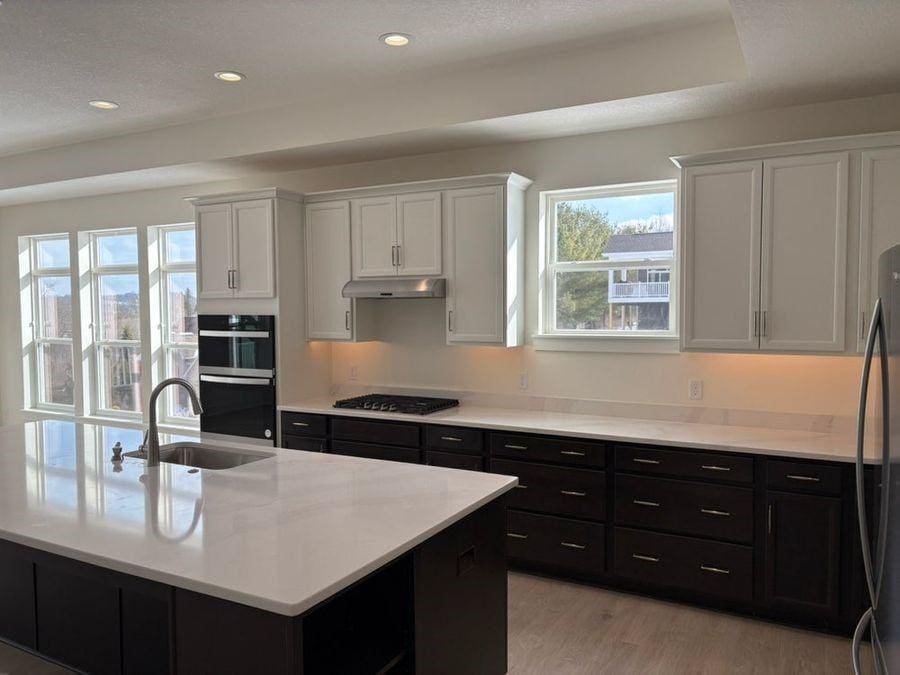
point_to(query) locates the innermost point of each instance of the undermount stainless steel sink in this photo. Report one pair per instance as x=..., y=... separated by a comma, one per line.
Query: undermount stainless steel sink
x=204, y=456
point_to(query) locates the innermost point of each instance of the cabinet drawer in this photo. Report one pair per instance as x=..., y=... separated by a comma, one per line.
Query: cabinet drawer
x=554, y=489
x=707, y=567
x=801, y=477
x=388, y=433
x=303, y=424
x=717, y=511
x=374, y=451
x=684, y=463
x=563, y=451
x=309, y=443
x=458, y=439
x=453, y=460
x=560, y=542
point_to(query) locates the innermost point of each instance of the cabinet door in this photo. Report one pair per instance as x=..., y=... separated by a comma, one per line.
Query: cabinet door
x=17, y=618
x=879, y=225
x=476, y=259
x=804, y=253
x=327, y=270
x=419, y=234
x=721, y=255
x=254, y=249
x=374, y=236
x=214, y=250
x=803, y=546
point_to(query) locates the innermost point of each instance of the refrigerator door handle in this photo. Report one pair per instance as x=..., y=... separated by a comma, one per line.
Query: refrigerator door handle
x=860, y=446
x=864, y=621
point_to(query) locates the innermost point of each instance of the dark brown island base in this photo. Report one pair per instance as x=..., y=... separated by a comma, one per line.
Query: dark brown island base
x=766, y=536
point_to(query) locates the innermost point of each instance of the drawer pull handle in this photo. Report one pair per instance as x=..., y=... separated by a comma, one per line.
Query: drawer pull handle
x=521, y=487
x=452, y=439
x=715, y=467
x=714, y=570
x=573, y=453
x=715, y=512
x=573, y=493
x=569, y=544
x=645, y=558
x=807, y=479
x=644, y=502
x=516, y=535
x=641, y=460
x=510, y=446
x=300, y=424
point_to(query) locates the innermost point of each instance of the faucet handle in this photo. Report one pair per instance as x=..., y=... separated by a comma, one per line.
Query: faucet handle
x=143, y=445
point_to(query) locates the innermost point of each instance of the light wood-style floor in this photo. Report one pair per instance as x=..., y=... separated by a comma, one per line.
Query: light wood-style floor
x=558, y=628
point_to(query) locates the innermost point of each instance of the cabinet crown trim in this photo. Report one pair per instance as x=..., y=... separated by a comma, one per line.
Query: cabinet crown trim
x=508, y=179
x=247, y=195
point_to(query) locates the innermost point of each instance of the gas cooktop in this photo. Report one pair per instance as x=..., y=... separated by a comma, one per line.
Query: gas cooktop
x=412, y=405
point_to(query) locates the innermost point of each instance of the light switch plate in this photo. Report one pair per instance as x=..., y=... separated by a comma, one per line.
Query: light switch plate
x=354, y=372
x=523, y=380
x=695, y=390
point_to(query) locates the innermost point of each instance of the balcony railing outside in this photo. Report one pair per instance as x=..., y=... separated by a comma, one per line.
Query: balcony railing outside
x=639, y=290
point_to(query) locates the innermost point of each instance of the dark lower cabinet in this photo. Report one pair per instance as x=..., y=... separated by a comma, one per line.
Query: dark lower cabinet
x=310, y=443
x=17, y=618
x=803, y=554
x=561, y=544
x=376, y=451
x=454, y=460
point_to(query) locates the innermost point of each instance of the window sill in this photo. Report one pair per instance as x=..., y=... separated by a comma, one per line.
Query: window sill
x=633, y=344
x=37, y=414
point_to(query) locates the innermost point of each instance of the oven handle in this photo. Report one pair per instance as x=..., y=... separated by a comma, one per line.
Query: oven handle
x=235, y=380
x=235, y=333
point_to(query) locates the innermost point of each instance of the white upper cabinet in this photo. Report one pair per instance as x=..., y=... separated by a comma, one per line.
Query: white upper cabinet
x=721, y=255
x=804, y=253
x=214, y=251
x=879, y=227
x=254, y=249
x=397, y=235
x=329, y=315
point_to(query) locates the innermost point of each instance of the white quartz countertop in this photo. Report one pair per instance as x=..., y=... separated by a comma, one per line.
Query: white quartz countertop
x=280, y=534
x=839, y=447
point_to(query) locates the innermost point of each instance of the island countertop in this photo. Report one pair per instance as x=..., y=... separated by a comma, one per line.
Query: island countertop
x=800, y=444
x=281, y=534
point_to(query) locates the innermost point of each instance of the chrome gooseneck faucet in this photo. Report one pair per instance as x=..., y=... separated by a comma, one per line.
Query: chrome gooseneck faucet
x=151, y=439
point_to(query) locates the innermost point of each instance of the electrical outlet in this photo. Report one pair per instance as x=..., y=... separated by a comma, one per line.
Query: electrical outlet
x=354, y=372
x=523, y=380
x=695, y=390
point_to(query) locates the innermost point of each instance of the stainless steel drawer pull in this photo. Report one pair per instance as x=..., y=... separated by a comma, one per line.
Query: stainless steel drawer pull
x=521, y=487
x=573, y=493
x=300, y=424
x=510, y=446
x=573, y=453
x=516, y=535
x=715, y=467
x=714, y=570
x=452, y=439
x=641, y=460
x=569, y=544
x=645, y=558
x=644, y=502
x=715, y=512
x=808, y=479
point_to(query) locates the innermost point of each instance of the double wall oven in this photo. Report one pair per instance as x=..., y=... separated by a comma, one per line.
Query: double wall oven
x=237, y=376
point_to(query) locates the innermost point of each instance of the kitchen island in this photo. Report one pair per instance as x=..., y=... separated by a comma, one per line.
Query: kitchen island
x=297, y=563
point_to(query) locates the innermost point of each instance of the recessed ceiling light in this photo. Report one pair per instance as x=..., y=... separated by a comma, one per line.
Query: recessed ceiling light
x=395, y=39
x=104, y=105
x=229, y=76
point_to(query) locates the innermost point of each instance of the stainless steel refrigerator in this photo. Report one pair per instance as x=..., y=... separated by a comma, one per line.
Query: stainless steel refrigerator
x=878, y=424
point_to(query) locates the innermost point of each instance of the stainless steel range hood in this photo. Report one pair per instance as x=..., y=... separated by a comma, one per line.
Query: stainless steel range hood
x=409, y=287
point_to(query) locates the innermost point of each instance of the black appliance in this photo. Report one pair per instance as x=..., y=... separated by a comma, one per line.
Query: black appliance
x=412, y=405
x=237, y=375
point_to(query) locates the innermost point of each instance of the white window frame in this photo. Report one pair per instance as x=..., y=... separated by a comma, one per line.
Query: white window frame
x=165, y=346
x=34, y=361
x=551, y=337
x=97, y=343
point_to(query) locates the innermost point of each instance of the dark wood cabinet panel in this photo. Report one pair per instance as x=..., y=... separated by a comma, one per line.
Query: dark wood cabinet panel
x=17, y=618
x=382, y=433
x=309, y=443
x=548, y=449
x=455, y=439
x=716, y=511
x=454, y=460
x=304, y=424
x=790, y=476
x=556, y=490
x=559, y=543
x=684, y=463
x=373, y=451
x=802, y=553
x=146, y=630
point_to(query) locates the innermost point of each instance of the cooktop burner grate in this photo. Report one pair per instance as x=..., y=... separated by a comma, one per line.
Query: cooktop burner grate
x=412, y=405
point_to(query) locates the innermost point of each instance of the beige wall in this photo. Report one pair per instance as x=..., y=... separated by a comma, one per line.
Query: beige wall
x=411, y=350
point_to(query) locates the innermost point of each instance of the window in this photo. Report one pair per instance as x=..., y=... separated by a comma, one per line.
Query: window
x=178, y=309
x=52, y=365
x=116, y=322
x=610, y=255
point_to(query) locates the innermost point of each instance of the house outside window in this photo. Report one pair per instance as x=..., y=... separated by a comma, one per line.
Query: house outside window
x=610, y=254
